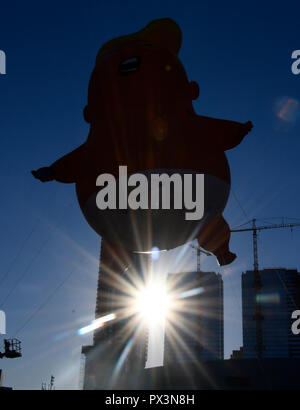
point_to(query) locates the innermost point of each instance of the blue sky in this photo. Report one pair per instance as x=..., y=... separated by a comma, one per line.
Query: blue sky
x=238, y=52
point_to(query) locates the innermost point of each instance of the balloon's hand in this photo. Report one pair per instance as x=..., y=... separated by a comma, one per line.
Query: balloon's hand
x=246, y=127
x=44, y=174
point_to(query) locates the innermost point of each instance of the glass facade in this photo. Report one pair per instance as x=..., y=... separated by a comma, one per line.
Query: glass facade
x=195, y=329
x=115, y=350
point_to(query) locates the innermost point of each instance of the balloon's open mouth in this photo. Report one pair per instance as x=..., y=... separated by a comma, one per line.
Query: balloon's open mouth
x=130, y=65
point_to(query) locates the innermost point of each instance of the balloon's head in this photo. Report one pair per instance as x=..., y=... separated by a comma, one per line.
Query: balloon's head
x=141, y=70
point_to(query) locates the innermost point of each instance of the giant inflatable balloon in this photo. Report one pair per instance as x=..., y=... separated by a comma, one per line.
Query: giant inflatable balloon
x=142, y=119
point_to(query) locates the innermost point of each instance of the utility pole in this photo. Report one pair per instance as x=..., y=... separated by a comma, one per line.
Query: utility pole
x=51, y=385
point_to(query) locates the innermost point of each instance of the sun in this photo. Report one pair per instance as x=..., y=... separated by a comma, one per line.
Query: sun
x=152, y=303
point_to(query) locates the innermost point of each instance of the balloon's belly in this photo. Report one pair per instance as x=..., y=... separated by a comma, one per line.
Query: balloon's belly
x=188, y=210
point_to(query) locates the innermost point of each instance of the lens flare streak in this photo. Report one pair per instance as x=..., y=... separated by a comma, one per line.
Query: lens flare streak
x=189, y=293
x=96, y=324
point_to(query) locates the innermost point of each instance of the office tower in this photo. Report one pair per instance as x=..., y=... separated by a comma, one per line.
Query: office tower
x=118, y=350
x=194, y=324
x=278, y=297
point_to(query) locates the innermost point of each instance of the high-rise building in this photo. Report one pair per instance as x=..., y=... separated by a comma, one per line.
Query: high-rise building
x=194, y=330
x=118, y=348
x=278, y=297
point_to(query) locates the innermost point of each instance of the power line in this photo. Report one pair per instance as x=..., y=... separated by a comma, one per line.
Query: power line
x=43, y=304
x=24, y=272
x=240, y=205
x=29, y=265
x=23, y=245
x=19, y=251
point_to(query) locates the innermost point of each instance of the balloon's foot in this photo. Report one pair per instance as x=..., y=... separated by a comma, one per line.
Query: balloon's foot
x=226, y=259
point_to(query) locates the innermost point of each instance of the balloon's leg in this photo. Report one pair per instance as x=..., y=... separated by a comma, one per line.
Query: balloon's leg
x=214, y=238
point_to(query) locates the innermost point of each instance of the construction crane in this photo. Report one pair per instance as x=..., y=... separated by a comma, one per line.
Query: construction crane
x=257, y=278
x=255, y=229
x=199, y=251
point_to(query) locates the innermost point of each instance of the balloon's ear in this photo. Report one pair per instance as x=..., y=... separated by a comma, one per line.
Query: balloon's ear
x=86, y=114
x=194, y=90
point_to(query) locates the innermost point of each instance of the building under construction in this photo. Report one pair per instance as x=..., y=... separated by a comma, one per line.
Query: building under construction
x=119, y=350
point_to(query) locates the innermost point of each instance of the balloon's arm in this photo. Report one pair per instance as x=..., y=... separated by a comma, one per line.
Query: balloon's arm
x=67, y=169
x=224, y=134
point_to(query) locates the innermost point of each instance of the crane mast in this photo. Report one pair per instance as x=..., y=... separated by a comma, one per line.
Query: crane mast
x=199, y=251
